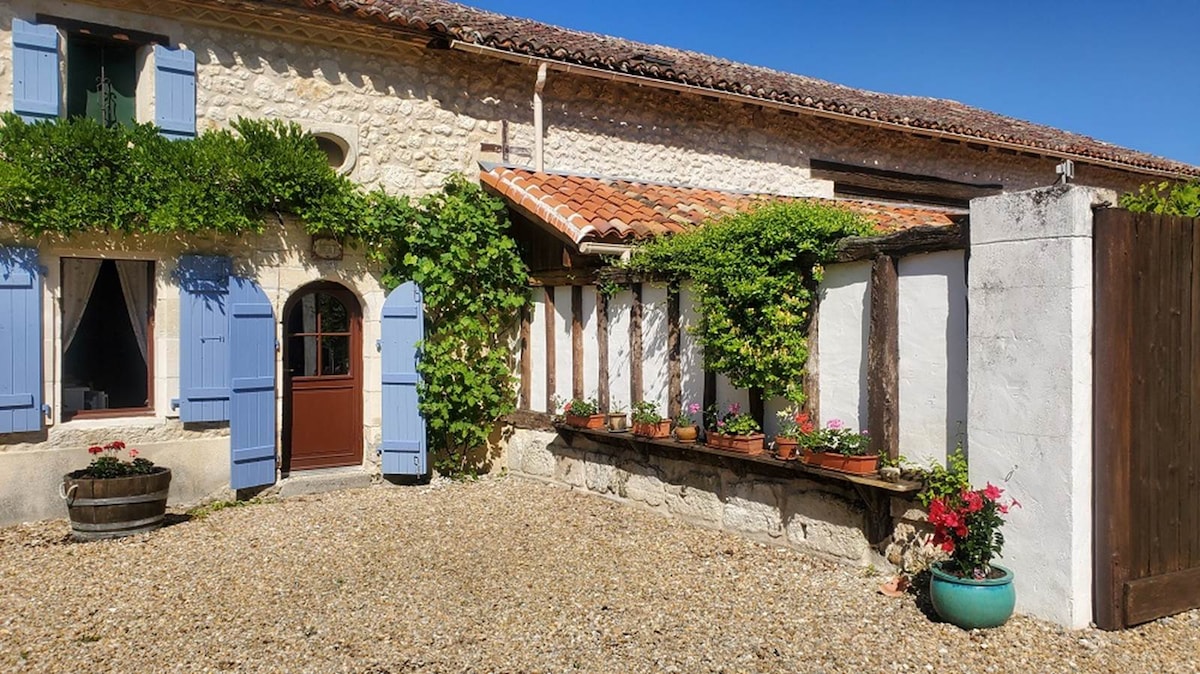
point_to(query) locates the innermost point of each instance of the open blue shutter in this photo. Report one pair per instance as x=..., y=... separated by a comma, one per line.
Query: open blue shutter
x=252, y=380
x=203, y=338
x=403, y=447
x=35, y=70
x=20, y=341
x=175, y=92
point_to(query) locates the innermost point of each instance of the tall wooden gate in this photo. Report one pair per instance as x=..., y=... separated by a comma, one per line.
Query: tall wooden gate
x=1147, y=417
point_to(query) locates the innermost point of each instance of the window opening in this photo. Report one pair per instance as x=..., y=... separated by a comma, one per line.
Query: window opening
x=107, y=331
x=319, y=337
x=101, y=79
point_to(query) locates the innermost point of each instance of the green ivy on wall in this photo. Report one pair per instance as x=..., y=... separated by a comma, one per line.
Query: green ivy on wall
x=74, y=175
x=755, y=276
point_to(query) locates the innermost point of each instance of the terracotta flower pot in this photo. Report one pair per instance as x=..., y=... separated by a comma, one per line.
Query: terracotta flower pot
x=594, y=421
x=743, y=444
x=662, y=429
x=785, y=448
x=686, y=433
x=855, y=465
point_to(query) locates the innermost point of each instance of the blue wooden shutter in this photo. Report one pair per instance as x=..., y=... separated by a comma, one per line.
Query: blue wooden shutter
x=404, y=445
x=252, y=379
x=36, y=78
x=175, y=92
x=203, y=338
x=20, y=341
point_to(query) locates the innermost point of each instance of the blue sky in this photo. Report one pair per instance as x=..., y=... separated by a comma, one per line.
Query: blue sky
x=1123, y=71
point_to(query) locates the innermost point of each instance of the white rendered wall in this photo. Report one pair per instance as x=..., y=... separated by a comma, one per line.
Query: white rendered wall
x=843, y=323
x=618, y=349
x=933, y=355
x=691, y=355
x=591, y=353
x=1030, y=387
x=654, y=345
x=562, y=343
x=537, y=352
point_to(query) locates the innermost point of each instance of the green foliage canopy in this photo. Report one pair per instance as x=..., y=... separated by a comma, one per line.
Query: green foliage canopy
x=1166, y=197
x=755, y=275
x=72, y=176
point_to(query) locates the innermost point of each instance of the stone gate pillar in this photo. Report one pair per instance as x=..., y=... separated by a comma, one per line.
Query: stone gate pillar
x=1029, y=416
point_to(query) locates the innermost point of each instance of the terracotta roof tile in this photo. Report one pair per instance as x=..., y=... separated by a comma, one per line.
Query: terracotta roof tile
x=615, y=210
x=531, y=38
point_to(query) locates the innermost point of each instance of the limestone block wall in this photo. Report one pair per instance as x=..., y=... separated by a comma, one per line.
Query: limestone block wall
x=820, y=518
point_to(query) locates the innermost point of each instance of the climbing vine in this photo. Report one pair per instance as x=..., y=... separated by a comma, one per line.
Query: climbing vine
x=755, y=275
x=75, y=175
x=1165, y=197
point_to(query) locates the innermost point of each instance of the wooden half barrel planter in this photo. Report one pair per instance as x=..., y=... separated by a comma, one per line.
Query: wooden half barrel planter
x=115, y=506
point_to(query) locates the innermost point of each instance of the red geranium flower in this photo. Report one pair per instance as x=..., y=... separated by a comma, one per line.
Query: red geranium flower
x=95, y=449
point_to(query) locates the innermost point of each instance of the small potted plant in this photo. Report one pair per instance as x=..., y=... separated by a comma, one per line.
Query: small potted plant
x=112, y=497
x=617, y=421
x=583, y=413
x=685, y=426
x=735, y=432
x=968, y=590
x=647, y=422
x=843, y=450
x=796, y=429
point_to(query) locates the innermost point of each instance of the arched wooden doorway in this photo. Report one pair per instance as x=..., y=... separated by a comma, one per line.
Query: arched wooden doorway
x=322, y=378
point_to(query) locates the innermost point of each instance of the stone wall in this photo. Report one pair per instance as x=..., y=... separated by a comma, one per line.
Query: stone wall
x=825, y=518
x=413, y=116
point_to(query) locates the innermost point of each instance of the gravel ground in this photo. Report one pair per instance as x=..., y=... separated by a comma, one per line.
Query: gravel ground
x=499, y=575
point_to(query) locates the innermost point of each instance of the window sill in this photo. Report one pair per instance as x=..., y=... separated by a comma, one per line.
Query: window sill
x=118, y=419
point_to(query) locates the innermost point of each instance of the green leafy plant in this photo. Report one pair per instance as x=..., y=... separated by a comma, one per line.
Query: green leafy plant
x=107, y=463
x=967, y=525
x=685, y=418
x=1170, y=198
x=581, y=407
x=755, y=276
x=945, y=481
x=645, y=412
x=838, y=439
x=733, y=422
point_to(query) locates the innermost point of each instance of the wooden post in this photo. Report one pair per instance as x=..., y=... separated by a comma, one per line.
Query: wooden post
x=577, y=341
x=883, y=359
x=551, y=379
x=635, y=346
x=605, y=399
x=812, y=369
x=523, y=395
x=674, y=376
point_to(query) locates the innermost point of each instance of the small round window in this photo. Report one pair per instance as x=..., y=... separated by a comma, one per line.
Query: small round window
x=335, y=149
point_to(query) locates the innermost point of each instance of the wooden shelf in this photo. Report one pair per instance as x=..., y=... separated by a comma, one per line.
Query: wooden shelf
x=627, y=439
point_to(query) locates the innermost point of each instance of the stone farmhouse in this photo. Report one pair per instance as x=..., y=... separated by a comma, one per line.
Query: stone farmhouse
x=594, y=142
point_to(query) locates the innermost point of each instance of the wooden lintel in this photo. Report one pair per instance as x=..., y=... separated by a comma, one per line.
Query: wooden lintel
x=618, y=276
x=883, y=359
x=905, y=242
x=564, y=277
x=635, y=345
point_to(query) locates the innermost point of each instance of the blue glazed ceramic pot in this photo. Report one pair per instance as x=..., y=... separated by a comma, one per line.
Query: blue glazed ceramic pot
x=972, y=604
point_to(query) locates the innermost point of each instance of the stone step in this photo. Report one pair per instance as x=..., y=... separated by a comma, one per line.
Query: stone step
x=324, y=480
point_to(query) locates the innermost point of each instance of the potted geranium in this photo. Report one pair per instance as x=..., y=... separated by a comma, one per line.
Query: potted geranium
x=841, y=449
x=685, y=425
x=113, y=497
x=647, y=422
x=583, y=413
x=967, y=589
x=796, y=429
x=735, y=431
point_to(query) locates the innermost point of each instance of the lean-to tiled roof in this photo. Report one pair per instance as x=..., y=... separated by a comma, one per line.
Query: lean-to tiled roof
x=586, y=208
x=474, y=26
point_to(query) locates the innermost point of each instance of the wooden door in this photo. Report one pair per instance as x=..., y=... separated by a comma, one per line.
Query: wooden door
x=322, y=378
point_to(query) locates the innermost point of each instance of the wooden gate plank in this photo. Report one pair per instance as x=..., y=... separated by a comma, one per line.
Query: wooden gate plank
x=1160, y=595
x=1112, y=419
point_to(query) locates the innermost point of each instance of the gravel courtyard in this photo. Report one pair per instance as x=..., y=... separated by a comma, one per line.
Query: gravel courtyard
x=498, y=575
